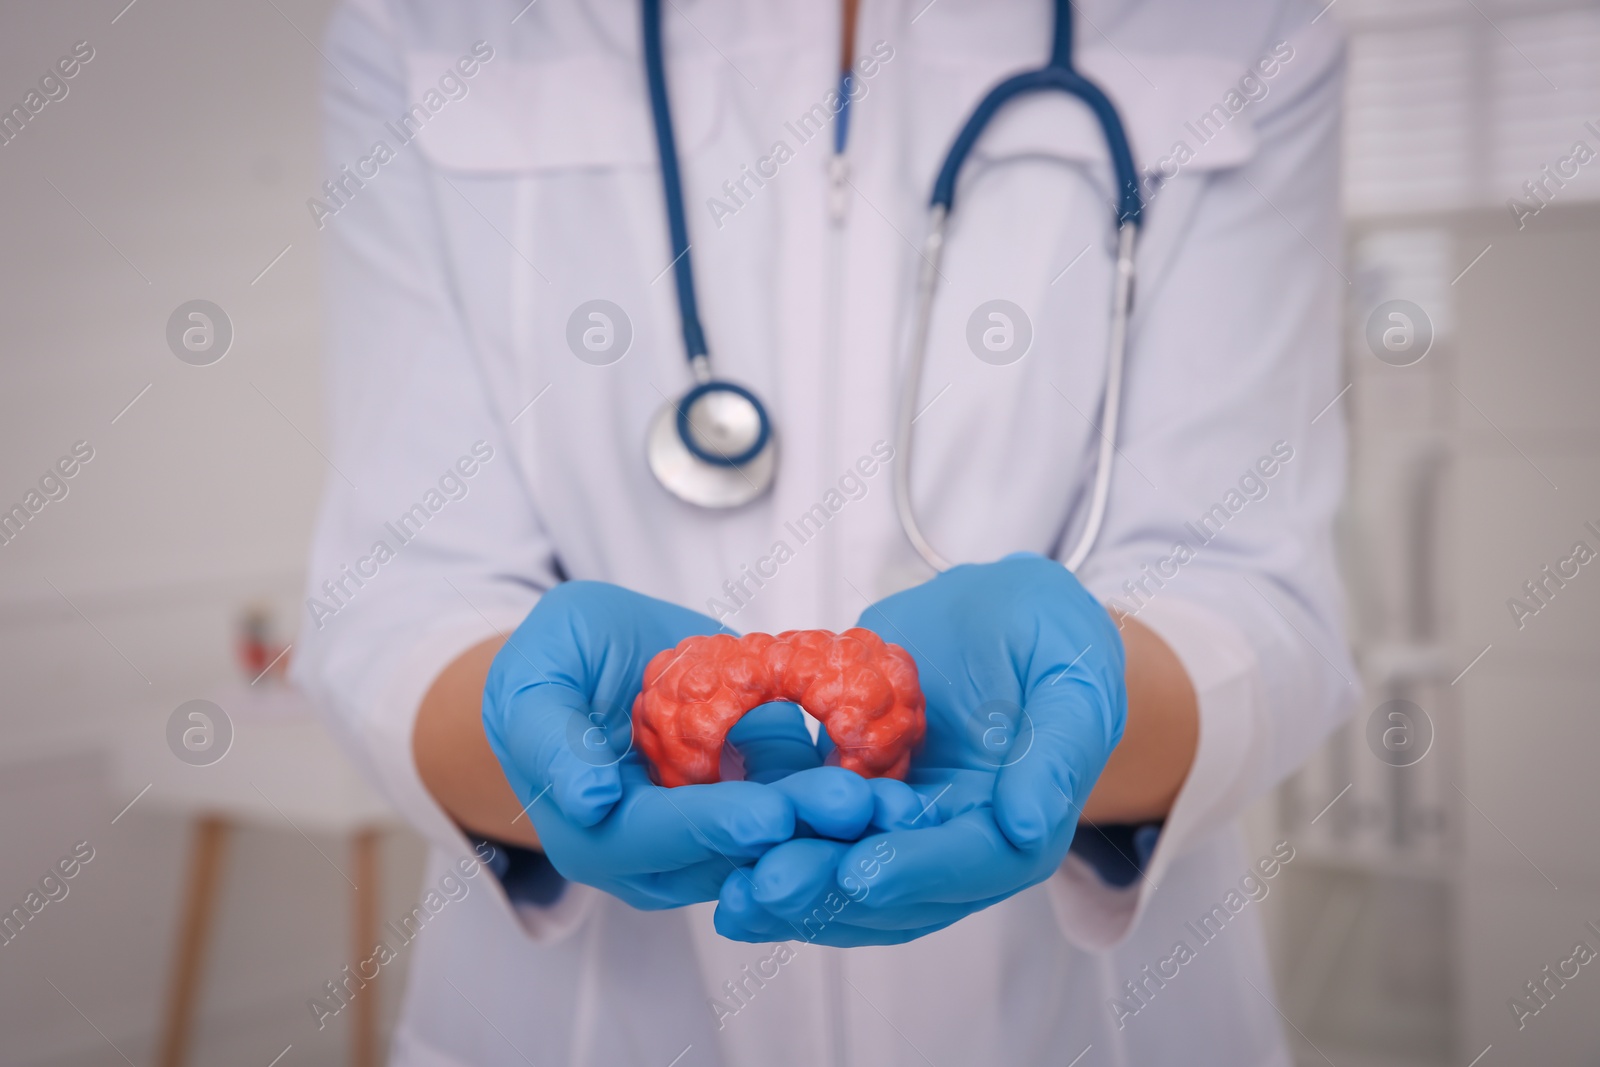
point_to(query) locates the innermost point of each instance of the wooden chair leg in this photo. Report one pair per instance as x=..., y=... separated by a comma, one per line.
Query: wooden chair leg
x=206, y=853
x=364, y=931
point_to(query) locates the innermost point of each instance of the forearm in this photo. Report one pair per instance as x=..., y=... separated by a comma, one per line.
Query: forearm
x=454, y=758
x=1147, y=769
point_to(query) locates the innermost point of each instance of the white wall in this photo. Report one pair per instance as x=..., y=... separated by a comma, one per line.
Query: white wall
x=189, y=145
x=1409, y=952
x=1528, y=357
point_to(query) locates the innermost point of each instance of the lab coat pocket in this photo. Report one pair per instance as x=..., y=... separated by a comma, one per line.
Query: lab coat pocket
x=559, y=157
x=572, y=112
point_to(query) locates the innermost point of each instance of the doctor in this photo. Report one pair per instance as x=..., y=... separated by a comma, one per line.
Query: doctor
x=502, y=547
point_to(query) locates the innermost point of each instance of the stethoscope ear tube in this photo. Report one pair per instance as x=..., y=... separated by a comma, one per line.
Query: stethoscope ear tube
x=911, y=386
x=1110, y=406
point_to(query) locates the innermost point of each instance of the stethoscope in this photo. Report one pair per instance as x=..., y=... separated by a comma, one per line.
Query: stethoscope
x=715, y=446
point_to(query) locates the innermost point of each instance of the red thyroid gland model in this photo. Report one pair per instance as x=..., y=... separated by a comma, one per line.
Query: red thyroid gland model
x=864, y=691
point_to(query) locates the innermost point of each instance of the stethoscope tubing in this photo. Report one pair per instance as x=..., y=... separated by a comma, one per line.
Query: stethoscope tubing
x=1046, y=79
x=694, y=339
x=1057, y=75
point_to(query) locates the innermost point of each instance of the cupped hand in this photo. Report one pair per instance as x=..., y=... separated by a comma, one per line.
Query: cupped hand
x=1023, y=673
x=557, y=714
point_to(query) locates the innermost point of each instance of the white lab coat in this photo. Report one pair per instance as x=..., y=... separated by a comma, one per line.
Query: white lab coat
x=452, y=271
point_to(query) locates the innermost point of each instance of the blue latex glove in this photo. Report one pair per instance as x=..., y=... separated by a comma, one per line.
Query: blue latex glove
x=557, y=710
x=772, y=742
x=1023, y=673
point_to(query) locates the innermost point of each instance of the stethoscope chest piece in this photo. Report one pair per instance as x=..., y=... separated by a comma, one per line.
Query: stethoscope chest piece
x=713, y=448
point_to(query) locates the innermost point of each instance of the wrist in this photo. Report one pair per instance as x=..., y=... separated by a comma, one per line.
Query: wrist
x=453, y=756
x=1148, y=768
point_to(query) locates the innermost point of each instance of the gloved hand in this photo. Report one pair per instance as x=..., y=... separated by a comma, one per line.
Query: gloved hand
x=557, y=711
x=1023, y=673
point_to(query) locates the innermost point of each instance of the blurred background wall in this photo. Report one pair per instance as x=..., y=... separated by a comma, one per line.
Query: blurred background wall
x=1445, y=856
x=176, y=168
x=1447, y=877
